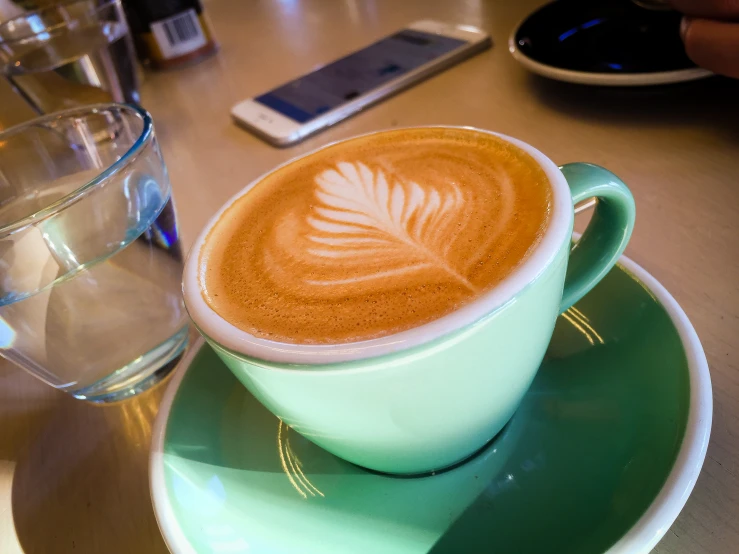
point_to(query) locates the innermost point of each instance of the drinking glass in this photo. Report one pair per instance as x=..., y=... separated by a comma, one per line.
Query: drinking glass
x=70, y=54
x=90, y=259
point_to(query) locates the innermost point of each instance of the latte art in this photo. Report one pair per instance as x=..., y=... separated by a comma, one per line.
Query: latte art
x=362, y=215
x=374, y=235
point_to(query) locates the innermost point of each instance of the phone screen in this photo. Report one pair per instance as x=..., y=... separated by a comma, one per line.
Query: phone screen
x=340, y=82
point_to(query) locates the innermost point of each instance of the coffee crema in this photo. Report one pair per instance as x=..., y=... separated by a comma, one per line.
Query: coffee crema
x=374, y=235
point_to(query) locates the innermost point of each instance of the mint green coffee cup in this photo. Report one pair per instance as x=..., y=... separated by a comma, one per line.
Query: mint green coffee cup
x=429, y=397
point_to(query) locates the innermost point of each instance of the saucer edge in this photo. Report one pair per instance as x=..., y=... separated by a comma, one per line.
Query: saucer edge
x=602, y=79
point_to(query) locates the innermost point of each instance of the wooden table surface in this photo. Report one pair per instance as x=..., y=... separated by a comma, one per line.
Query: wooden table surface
x=73, y=476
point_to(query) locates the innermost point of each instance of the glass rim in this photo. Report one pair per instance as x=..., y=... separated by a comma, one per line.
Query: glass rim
x=52, y=28
x=144, y=139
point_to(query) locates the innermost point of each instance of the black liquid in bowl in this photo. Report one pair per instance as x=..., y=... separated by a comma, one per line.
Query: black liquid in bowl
x=597, y=36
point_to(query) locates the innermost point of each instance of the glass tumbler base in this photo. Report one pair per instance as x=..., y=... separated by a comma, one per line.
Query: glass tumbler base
x=139, y=375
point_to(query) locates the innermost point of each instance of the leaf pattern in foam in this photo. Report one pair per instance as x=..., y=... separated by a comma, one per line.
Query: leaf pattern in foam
x=361, y=215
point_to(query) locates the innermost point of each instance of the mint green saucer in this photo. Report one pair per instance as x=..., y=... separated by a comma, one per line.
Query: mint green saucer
x=601, y=456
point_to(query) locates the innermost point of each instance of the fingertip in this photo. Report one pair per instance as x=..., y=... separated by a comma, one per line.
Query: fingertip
x=713, y=45
x=685, y=26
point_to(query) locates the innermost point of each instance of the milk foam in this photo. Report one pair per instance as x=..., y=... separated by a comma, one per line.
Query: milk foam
x=374, y=235
x=363, y=215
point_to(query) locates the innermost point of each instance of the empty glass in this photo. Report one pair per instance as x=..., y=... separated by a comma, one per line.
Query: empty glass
x=90, y=259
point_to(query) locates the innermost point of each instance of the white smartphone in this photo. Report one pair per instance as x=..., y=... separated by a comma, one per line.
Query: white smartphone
x=289, y=113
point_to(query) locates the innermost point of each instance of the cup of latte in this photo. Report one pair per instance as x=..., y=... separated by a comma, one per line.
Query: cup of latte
x=391, y=296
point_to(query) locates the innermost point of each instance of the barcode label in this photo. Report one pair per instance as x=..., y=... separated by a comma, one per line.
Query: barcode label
x=179, y=35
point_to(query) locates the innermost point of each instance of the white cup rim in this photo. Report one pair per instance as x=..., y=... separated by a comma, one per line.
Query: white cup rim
x=232, y=338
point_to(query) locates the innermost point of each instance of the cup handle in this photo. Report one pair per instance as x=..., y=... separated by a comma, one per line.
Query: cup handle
x=606, y=236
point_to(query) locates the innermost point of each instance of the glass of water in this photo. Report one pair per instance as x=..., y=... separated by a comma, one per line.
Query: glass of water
x=70, y=54
x=90, y=258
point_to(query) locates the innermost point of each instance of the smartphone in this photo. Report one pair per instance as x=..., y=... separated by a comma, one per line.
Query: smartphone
x=289, y=113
